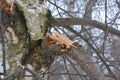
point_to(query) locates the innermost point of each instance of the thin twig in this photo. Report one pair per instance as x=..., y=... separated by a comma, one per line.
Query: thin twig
x=74, y=67
x=15, y=72
x=34, y=73
x=20, y=70
x=95, y=50
x=59, y=7
x=65, y=64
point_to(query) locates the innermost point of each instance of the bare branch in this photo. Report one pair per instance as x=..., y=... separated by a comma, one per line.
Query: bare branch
x=20, y=70
x=80, y=21
x=86, y=64
x=15, y=72
x=95, y=50
x=34, y=73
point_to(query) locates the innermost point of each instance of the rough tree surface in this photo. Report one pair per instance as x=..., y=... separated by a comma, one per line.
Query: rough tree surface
x=31, y=25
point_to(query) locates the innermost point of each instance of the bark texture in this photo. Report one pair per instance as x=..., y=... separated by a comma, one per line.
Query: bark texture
x=31, y=24
x=85, y=61
x=36, y=15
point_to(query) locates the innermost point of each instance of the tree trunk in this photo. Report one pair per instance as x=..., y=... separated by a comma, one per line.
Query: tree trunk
x=31, y=24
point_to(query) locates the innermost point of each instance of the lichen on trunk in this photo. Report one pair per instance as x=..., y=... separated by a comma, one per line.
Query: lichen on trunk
x=31, y=24
x=37, y=17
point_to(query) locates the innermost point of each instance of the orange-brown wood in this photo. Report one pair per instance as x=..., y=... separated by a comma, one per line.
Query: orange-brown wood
x=8, y=7
x=3, y=1
x=62, y=40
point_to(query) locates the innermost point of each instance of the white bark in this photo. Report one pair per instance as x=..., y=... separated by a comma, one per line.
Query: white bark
x=35, y=15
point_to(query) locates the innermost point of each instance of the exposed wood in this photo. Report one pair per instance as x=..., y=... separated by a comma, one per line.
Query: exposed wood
x=81, y=57
x=62, y=40
x=77, y=54
x=8, y=7
x=95, y=50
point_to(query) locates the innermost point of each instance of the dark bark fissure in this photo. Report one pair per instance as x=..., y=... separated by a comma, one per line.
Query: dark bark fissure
x=2, y=39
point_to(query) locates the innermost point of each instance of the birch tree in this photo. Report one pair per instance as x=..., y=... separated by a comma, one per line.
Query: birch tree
x=27, y=39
